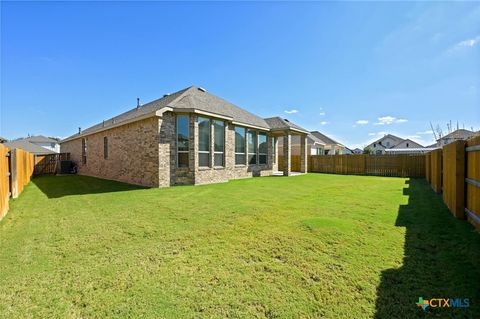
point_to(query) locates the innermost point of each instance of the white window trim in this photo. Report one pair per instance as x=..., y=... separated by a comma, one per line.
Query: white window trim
x=176, y=132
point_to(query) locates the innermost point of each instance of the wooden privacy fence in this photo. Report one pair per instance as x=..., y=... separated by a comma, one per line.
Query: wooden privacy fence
x=294, y=162
x=454, y=171
x=400, y=165
x=16, y=170
x=49, y=164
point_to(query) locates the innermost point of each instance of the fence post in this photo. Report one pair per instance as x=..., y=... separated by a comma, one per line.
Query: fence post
x=454, y=177
x=14, y=172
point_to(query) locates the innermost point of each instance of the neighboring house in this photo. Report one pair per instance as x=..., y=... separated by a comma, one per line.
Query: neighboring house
x=407, y=143
x=3, y=140
x=315, y=145
x=45, y=142
x=357, y=151
x=457, y=135
x=332, y=147
x=348, y=151
x=28, y=146
x=387, y=141
x=188, y=137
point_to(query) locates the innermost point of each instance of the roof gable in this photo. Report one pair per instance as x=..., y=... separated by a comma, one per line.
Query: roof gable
x=325, y=139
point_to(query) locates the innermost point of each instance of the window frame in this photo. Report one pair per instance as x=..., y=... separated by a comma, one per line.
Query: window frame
x=266, y=146
x=178, y=116
x=105, y=147
x=209, y=120
x=84, y=150
x=244, y=153
x=215, y=152
x=255, y=146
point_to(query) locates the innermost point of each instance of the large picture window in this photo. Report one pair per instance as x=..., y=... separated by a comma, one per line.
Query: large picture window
x=252, y=146
x=239, y=145
x=262, y=148
x=183, y=133
x=219, y=142
x=203, y=142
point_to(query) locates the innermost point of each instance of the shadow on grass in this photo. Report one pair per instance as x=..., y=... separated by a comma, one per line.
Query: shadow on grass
x=441, y=260
x=59, y=186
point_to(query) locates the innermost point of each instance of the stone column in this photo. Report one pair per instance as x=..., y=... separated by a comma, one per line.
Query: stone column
x=275, y=153
x=303, y=154
x=332, y=150
x=287, y=151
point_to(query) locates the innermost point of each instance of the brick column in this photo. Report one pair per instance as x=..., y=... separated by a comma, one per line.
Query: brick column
x=303, y=154
x=287, y=151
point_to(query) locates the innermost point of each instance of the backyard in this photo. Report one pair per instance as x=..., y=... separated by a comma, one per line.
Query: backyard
x=316, y=245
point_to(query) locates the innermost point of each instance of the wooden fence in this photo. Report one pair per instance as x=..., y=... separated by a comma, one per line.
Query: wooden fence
x=4, y=180
x=16, y=170
x=294, y=162
x=49, y=164
x=455, y=172
x=380, y=165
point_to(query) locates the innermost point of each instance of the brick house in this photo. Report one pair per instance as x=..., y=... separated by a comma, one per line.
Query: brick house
x=188, y=137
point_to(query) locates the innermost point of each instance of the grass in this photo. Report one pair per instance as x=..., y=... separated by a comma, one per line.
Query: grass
x=323, y=246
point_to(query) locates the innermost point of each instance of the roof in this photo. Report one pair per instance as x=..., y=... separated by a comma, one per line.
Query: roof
x=393, y=137
x=324, y=138
x=407, y=140
x=277, y=123
x=315, y=139
x=189, y=99
x=2, y=139
x=29, y=147
x=460, y=134
x=40, y=139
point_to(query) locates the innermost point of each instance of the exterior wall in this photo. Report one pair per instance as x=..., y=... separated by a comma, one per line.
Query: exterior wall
x=133, y=154
x=382, y=144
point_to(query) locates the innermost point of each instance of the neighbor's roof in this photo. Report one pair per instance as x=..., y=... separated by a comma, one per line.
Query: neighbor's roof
x=277, y=123
x=460, y=134
x=40, y=139
x=407, y=140
x=324, y=138
x=29, y=147
x=2, y=139
x=315, y=139
x=189, y=99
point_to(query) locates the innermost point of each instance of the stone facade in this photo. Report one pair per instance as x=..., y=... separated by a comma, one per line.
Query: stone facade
x=145, y=153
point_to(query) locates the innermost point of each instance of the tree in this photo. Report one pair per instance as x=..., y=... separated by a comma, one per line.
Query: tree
x=367, y=150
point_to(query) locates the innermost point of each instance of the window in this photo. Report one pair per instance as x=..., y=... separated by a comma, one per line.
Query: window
x=203, y=142
x=239, y=145
x=274, y=149
x=252, y=147
x=219, y=142
x=374, y=145
x=84, y=151
x=262, y=148
x=388, y=144
x=105, y=147
x=183, y=132
x=407, y=144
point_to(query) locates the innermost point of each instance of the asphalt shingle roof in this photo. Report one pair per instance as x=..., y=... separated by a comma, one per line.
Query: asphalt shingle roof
x=277, y=123
x=40, y=139
x=194, y=98
x=29, y=147
x=324, y=138
x=460, y=134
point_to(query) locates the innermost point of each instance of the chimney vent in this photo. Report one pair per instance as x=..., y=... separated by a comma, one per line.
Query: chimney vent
x=138, y=102
x=79, y=130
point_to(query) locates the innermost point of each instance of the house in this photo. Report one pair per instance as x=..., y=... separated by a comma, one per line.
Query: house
x=49, y=143
x=315, y=145
x=188, y=137
x=29, y=147
x=331, y=146
x=457, y=135
x=357, y=151
x=3, y=140
x=387, y=141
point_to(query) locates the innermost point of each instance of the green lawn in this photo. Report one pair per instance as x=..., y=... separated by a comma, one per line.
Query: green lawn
x=317, y=245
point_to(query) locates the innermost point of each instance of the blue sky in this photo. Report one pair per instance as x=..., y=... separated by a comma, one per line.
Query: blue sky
x=353, y=70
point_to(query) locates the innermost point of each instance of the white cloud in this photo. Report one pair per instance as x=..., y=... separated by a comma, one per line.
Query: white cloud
x=387, y=120
x=323, y=123
x=468, y=43
x=372, y=134
x=362, y=122
x=413, y=136
x=378, y=133
x=322, y=113
x=291, y=111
